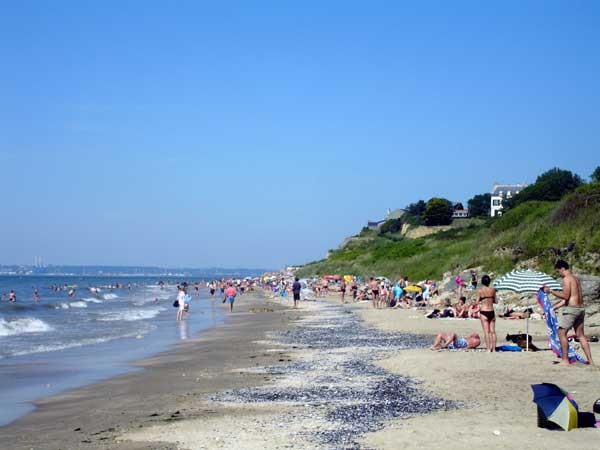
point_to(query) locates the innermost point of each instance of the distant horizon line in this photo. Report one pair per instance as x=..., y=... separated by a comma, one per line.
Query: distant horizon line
x=119, y=266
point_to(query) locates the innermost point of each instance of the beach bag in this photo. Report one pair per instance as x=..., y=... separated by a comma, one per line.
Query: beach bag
x=176, y=304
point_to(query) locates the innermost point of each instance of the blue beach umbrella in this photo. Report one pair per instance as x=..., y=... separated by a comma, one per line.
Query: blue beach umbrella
x=556, y=404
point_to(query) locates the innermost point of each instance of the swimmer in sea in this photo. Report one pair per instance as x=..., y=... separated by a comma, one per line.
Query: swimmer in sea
x=36, y=295
x=12, y=297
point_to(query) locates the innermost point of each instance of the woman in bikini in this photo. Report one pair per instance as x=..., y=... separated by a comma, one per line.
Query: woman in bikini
x=486, y=297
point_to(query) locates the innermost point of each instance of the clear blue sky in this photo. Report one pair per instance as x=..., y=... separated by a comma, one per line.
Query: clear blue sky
x=261, y=133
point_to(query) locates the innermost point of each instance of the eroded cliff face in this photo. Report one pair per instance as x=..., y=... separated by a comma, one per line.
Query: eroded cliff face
x=590, y=284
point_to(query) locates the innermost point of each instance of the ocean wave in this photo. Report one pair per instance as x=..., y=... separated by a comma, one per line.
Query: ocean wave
x=150, y=300
x=21, y=326
x=130, y=315
x=91, y=300
x=79, y=304
x=79, y=343
x=110, y=296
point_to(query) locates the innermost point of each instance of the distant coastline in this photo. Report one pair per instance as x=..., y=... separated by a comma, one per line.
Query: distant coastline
x=127, y=271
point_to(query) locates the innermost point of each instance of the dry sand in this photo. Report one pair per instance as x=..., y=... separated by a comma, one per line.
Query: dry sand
x=499, y=412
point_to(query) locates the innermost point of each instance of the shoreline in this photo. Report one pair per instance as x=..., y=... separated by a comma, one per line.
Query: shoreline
x=114, y=335
x=95, y=414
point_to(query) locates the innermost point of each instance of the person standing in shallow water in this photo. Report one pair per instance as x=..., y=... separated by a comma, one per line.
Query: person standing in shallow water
x=486, y=297
x=181, y=301
x=230, y=294
x=573, y=311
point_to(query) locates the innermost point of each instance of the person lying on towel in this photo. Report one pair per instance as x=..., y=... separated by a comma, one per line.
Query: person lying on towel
x=452, y=341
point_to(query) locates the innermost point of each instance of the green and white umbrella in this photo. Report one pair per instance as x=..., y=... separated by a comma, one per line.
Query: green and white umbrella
x=526, y=281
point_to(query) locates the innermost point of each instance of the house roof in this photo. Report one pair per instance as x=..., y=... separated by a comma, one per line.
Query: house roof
x=396, y=214
x=504, y=188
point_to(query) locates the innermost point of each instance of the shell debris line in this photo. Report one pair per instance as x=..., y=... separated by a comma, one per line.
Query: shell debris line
x=334, y=390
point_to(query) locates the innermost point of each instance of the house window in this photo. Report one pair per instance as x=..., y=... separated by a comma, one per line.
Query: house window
x=496, y=202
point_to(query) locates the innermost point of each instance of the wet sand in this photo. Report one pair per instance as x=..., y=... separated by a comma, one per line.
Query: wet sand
x=166, y=391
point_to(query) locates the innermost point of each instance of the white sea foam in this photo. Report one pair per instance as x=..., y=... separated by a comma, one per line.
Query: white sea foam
x=130, y=315
x=21, y=326
x=61, y=306
x=80, y=304
x=91, y=300
x=79, y=343
x=110, y=296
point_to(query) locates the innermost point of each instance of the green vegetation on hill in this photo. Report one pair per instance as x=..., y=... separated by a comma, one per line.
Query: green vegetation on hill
x=534, y=231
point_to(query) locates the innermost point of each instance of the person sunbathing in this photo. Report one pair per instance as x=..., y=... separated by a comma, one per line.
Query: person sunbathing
x=512, y=314
x=473, y=310
x=452, y=341
x=461, y=311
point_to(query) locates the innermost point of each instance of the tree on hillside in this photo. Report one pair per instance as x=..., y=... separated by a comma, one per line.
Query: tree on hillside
x=438, y=212
x=416, y=209
x=391, y=226
x=479, y=205
x=595, y=176
x=549, y=186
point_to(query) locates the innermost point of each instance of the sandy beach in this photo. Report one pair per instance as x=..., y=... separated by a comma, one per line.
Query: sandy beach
x=495, y=388
x=323, y=376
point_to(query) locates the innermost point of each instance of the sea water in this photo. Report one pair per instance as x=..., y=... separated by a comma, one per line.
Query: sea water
x=63, y=342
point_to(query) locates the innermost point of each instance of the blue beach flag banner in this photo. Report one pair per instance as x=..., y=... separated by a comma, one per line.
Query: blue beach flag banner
x=552, y=323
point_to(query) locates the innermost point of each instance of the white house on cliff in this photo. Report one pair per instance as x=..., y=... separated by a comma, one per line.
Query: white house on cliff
x=501, y=192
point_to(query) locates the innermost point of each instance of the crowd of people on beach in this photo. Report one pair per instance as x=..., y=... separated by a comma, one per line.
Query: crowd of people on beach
x=228, y=289
x=428, y=297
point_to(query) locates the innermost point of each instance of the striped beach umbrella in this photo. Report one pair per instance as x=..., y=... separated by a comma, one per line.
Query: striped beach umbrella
x=526, y=281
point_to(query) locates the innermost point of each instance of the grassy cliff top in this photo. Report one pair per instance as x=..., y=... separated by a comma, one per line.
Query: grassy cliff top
x=533, y=233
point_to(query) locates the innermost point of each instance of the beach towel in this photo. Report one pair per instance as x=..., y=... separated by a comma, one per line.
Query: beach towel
x=552, y=323
x=509, y=348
